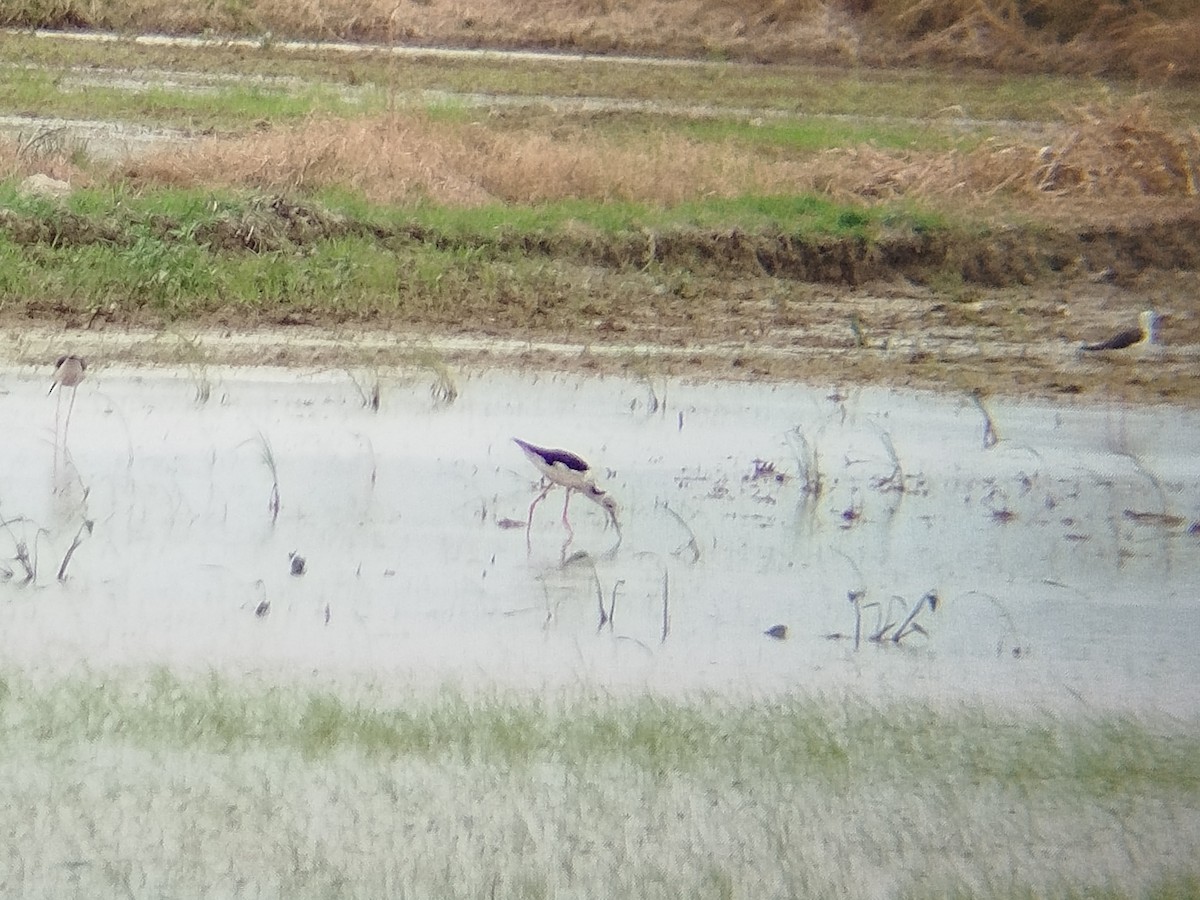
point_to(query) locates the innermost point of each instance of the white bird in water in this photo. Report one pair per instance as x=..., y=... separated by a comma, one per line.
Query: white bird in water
x=1145, y=334
x=68, y=372
x=564, y=468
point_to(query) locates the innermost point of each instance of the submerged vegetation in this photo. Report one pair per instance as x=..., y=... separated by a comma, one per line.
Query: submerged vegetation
x=303, y=789
x=793, y=737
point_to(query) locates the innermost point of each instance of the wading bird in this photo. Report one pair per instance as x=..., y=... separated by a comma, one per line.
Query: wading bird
x=1146, y=333
x=564, y=468
x=68, y=372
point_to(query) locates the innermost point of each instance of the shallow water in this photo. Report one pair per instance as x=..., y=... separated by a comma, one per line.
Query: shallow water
x=1062, y=556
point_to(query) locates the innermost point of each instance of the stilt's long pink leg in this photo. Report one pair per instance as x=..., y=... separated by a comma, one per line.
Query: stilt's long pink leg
x=536, y=500
x=566, y=522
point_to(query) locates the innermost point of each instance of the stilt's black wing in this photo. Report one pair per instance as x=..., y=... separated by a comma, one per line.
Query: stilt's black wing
x=551, y=456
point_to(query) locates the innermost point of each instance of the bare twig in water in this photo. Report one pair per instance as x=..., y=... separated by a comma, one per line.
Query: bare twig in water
x=909, y=625
x=990, y=437
x=691, y=544
x=855, y=598
x=1018, y=645
x=884, y=624
x=87, y=526
x=612, y=602
x=605, y=618
x=28, y=563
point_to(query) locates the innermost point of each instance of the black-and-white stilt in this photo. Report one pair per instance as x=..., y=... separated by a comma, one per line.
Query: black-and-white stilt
x=68, y=372
x=1145, y=334
x=564, y=468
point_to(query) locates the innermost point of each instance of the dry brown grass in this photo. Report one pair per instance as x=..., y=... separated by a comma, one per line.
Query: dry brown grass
x=1127, y=153
x=396, y=159
x=21, y=157
x=1150, y=39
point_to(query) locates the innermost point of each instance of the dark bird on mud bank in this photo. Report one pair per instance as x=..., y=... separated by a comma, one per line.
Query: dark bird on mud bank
x=1145, y=334
x=570, y=471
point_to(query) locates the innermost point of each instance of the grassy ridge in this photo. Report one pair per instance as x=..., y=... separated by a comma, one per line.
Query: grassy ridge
x=182, y=253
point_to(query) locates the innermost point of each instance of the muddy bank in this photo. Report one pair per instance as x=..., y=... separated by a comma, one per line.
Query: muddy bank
x=1000, y=313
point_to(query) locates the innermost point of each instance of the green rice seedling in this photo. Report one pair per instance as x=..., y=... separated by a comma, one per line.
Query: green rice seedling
x=194, y=358
x=443, y=388
x=267, y=455
x=368, y=388
x=808, y=463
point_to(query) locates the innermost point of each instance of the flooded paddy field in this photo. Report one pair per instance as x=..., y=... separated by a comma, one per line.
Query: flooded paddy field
x=439, y=702
x=1061, y=543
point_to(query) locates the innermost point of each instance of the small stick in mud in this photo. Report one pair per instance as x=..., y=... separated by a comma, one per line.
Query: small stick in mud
x=87, y=526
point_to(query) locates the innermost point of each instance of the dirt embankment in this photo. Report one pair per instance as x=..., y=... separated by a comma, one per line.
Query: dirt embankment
x=1002, y=312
